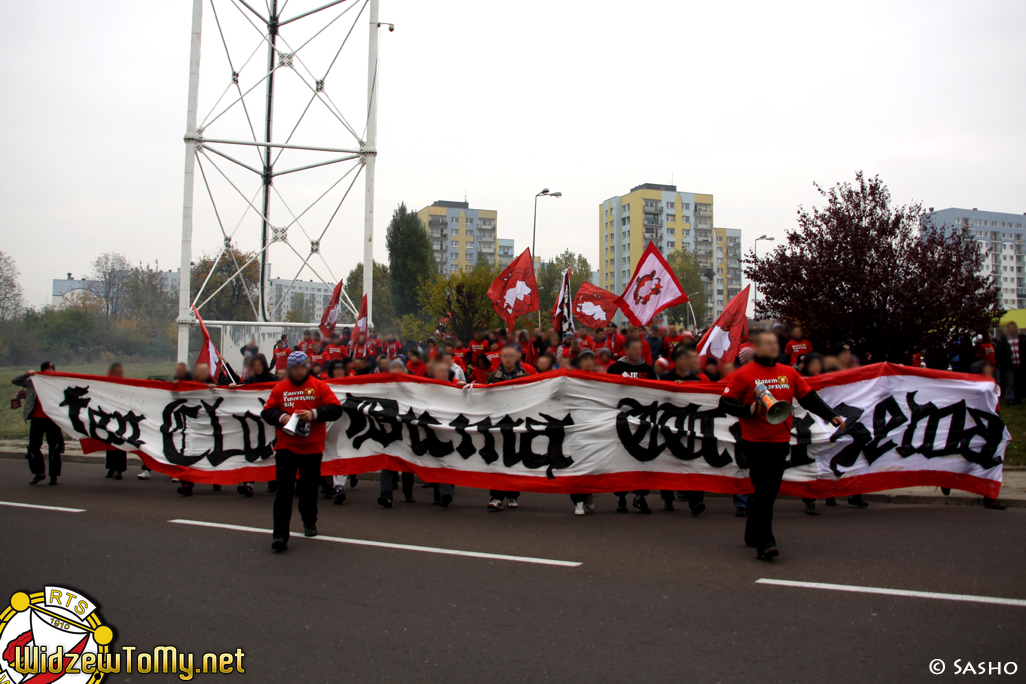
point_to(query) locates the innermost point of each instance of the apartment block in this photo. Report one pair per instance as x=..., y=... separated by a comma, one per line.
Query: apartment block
x=460, y=235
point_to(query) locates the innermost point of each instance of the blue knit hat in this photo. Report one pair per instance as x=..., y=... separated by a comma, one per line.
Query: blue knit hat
x=298, y=358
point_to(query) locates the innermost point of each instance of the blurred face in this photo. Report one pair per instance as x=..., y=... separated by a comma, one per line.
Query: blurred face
x=634, y=350
x=988, y=371
x=439, y=371
x=564, y=362
x=797, y=333
x=181, y=371
x=281, y=373
x=298, y=374
x=338, y=371
x=814, y=367
x=1012, y=329
x=767, y=346
x=728, y=368
x=682, y=364
x=587, y=363
x=316, y=369
x=509, y=357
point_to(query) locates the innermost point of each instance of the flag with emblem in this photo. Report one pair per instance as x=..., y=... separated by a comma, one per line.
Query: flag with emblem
x=515, y=292
x=724, y=338
x=652, y=288
x=562, y=310
x=330, y=316
x=594, y=306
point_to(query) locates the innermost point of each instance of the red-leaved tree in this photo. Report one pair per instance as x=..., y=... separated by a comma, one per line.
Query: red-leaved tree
x=881, y=278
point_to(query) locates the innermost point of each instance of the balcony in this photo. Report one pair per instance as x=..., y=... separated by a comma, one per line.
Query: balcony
x=486, y=246
x=656, y=209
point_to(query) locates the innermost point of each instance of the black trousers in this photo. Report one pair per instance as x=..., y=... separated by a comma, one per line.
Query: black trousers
x=388, y=478
x=694, y=498
x=117, y=461
x=309, y=469
x=638, y=492
x=38, y=429
x=766, y=470
x=499, y=494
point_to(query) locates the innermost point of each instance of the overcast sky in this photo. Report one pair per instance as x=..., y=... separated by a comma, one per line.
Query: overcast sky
x=749, y=101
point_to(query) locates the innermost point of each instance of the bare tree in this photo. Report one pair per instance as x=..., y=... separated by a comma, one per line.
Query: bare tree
x=10, y=289
x=111, y=273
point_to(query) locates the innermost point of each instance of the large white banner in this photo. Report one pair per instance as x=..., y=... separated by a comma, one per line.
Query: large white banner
x=563, y=432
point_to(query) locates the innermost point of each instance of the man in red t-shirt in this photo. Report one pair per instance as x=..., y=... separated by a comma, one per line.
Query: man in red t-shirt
x=766, y=445
x=797, y=346
x=478, y=345
x=280, y=353
x=314, y=404
x=392, y=347
x=334, y=351
x=306, y=342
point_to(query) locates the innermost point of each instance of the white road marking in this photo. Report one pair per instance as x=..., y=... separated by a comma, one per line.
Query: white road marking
x=45, y=508
x=896, y=592
x=387, y=545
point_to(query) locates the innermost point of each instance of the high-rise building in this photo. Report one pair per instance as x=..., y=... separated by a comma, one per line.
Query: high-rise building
x=460, y=235
x=308, y=297
x=506, y=252
x=672, y=220
x=1003, y=240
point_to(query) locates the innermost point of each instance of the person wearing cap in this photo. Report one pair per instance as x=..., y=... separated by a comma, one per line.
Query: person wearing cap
x=40, y=426
x=683, y=371
x=311, y=401
x=509, y=368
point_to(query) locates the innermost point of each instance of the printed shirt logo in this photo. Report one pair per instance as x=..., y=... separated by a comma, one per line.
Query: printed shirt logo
x=54, y=618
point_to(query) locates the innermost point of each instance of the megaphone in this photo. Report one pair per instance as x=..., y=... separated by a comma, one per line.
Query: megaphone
x=776, y=411
x=292, y=427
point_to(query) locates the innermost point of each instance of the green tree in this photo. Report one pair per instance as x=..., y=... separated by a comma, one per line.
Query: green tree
x=549, y=276
x=236, y=300
x=383, y=314
x=457, y=302
x=684, y=263
x=411, y=260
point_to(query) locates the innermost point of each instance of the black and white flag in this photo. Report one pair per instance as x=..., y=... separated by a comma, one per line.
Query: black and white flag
x=562, y=310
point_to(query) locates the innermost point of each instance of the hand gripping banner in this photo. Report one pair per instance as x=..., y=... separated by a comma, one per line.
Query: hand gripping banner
x=563, y=432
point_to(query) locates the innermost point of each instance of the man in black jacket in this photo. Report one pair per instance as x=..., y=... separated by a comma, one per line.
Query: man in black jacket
x=509, y=369
x=40, y=426
x=1008, y=352
x=765, y=444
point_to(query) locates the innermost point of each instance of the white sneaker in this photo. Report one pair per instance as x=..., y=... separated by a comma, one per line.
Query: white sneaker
x=144, y=475
x=495, y=505
x=589, y=503
x=175, y=479
x=579, y=508
x=512, y=503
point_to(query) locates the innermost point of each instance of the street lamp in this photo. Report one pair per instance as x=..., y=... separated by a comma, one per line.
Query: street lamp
x=544, y=193
x=755, y=248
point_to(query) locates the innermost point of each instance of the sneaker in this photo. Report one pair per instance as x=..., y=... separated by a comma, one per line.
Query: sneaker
x=768, y=553
x=621, y=504
x=642, y=505
x=340, y=496
x=698, y=508
x=668, y=506
x=446, y=500
x=37, y=479
x=353, y=479
x=309, y=530
x=810, y=509
x=993, y=504
x=278, y=544
x=579, y=508
x=117, y=476
x=495, y=505
x=589, y=503
x=385, y=501
x=175, y=479
x=946, y=491
x=856, y=500
x=512, y=503
x=245, y=490
x=110, y=474
x=741, y=511
x=53, y=480
x=144, y=475
x=185, y=491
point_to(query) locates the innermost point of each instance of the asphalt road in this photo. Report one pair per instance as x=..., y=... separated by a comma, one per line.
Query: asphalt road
x=660, y=597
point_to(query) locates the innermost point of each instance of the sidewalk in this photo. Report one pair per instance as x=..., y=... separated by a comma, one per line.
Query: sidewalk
x=1013, y=491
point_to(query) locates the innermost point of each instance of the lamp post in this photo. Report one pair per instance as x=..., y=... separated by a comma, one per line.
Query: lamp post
x=534, y=230
x=755, y=248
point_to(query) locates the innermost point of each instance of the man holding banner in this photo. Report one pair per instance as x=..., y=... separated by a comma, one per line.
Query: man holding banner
x=767, y=444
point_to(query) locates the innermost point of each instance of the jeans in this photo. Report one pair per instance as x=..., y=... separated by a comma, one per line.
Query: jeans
x=766, y=470
x=1006, y=377
x=740, y=501
x=38, y=429
x=309, y=468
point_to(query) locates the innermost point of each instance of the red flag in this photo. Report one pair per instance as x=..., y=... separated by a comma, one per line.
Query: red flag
x=724, y=338
x=594, y=306
x=562, y=310
x=330, y=315
x=208, y=352
x=652, y=288
x=515, y=292
x=361, y=320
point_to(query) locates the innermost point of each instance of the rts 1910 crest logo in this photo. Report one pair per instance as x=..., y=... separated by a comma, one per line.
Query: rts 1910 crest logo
x=52, y=635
